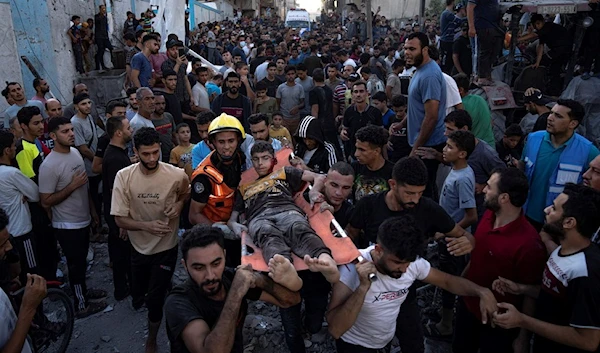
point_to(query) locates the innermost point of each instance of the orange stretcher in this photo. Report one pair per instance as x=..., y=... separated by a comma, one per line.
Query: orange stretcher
x=325, y=226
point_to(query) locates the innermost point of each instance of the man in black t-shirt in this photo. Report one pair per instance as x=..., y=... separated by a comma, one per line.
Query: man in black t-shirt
x=371, y=169
x=114, y=159
x=358, y=115
x=409, y=178
x=567, y=318
x=320, y=99
x=337, y=190
x=233, y=102
x=272, y=81
x=207, y=312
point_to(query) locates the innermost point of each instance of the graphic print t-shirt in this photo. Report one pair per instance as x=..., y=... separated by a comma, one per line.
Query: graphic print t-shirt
x=368, y=182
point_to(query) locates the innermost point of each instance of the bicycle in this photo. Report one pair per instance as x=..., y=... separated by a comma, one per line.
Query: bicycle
x=52, y=326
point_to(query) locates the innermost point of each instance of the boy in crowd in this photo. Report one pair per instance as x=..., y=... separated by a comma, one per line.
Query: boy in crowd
x=277, y=130
x=379, y=101
x=181, y=155
x=264, y=103
x=458, y=199
x=276, y=224
x=510, y=147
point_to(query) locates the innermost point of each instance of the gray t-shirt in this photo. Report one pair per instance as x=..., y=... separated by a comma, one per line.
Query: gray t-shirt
x=70, y=110
x=290, y=97
x=12, y=111
x=56, y=172
x=138, y=122
x=86, y=133
x=307, y=85
x=458, y=193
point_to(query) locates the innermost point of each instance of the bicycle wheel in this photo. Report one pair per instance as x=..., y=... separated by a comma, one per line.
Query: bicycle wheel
x=51, y=329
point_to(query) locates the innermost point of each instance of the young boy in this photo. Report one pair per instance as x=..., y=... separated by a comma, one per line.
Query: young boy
x=263, y=103
x=379, y=101
x=277, y=131
x=510, y=147
x=276, y=224
x=458, y=199
x=181, y=156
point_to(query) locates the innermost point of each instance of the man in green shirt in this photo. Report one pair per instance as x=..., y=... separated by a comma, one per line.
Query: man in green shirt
x=478, y=109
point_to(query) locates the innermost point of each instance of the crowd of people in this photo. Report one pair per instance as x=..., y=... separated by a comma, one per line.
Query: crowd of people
x=401, y=153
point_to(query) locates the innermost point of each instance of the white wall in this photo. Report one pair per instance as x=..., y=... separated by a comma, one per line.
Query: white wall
x=10, y=68
x=60, y=12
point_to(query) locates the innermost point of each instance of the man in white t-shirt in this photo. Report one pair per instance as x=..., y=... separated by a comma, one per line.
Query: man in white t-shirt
x=362, y=313
x=453, y=98
x=199, y=92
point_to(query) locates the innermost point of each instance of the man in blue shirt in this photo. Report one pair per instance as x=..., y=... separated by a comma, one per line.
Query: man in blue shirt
x=555, y=157
x=426, y=103
x=141, y=68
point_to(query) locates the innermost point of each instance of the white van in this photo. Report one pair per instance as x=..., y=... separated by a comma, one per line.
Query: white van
x=297, y=18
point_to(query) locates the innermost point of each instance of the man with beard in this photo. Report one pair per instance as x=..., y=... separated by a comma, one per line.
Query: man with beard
x=555, y=157
x=217, y=177
x=536, y=104
x=147, y=201
x=113, y=109
x=362, y=313
x=337, y=190
x=115, y=158
x=30, y=150
x=506, y=239
x=567, y=317
x=41, y=88
x=64, y=190
x=426, y=103
x=70, y=110
x=141, y=67
x=408, y=182
x=207, y=312
x=232, y=102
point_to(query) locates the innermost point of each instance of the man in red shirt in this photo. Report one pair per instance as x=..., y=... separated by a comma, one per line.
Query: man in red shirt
x=507, y=246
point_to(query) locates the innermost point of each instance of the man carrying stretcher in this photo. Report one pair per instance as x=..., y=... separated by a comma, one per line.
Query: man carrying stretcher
x=276, y=224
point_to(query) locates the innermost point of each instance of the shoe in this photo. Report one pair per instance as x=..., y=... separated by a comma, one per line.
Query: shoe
x=136, y=306
x=90, y=309
x=95, y=294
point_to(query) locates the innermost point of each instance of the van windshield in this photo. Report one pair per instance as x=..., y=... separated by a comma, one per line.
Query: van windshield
x=297, y=24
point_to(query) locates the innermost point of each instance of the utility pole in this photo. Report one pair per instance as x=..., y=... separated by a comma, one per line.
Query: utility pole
x=369, y=22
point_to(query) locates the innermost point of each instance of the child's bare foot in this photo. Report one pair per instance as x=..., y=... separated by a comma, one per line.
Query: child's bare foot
x=324, y=264
x=283, y=272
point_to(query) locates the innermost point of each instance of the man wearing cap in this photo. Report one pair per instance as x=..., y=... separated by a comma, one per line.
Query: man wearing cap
x=536, y=104
x=217, y=177
x=178, y=63
x=555, y=157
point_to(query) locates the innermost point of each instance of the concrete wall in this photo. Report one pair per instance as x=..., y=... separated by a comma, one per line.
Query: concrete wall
x=60, y=12
x=394, y=9
x=10, y=68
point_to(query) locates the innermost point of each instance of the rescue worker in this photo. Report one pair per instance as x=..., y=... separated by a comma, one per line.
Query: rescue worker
x=216, y=178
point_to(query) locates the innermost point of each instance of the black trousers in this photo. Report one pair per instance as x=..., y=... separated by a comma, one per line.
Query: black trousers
x=119, y=252
x=151, y=279
x=489, y=45
x=45, y=239
x=345, y=347
x=74, y=243
x=446, y=56
x=408, y=324
x=78, y=53
x=471, y=336
x=314, y=292
x=26, y=247
x=453, y=265
x=102, y=44
x=94, y=183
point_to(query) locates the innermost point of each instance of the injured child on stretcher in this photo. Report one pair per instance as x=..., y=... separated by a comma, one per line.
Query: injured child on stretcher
x=276, y=224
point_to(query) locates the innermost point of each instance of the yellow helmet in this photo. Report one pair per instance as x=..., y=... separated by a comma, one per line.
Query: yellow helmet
x=225, y=122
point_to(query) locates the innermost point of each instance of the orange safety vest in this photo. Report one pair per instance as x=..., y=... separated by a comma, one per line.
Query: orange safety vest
x=220, y=202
